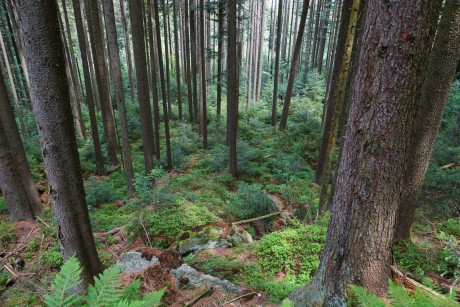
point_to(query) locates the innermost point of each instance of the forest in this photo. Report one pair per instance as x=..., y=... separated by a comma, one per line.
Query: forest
x=229, y=153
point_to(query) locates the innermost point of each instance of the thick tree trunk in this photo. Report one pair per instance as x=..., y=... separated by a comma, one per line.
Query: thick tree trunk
x=100, y=170
x=294, y=63
x=433, y=98
x=44, y=55
x=203, y=104
x=143, y=95
x=370, y=177
x=114, y=55
x=232, y=86
x=17, y=197
x=277, y=63
x=102, y=77
x=163, y=88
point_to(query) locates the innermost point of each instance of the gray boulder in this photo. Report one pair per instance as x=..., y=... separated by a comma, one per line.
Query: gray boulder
x=187, y=278
x=134, y=262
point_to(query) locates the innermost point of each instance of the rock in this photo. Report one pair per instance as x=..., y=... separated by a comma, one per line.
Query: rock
x=196, y=280
x=134, y=262
x=196, y=244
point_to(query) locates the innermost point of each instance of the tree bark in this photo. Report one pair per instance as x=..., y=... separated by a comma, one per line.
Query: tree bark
x=294, y=63
x=163, y=89
x=102, y=77
x=203, y=104
x=82, y=41
x=193, y=53
x=397, y=37
x=176, y=54
x=114, y=55
x=129, y=61
x=18, y=201
x=187, y=62
x=433, y=97
x=232, y=86
x=44, y=55
x=166, y=38
x=143, y=95
x=220, y=45
x=277, y=63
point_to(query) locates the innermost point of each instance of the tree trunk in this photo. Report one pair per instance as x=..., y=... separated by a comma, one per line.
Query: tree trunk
x=143, y=95
x=203, y=104
x=294, y=63
x=220, y=45
x=129, y=61
x=443, y=58
x=323, y=34
x=102, y=77
x=114, y=55
x=17, y=194
x=232, y=86
x=193, y=52
x=166, y=56
x=277, y=63
x=369, y=181
x=187, y=62
x=176, y=54
x=81, y=33
x=163, y=90
x=44, y=55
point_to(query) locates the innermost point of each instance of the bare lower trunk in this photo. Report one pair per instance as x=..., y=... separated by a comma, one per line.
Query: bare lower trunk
x=44, y=55
x=369, y=181
x=277, y=63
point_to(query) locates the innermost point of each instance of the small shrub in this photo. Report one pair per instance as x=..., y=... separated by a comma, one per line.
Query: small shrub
x=451, y=227
x=3, y=205
x=51, y=257
x=414, y=258
x=6, y=233
x=250, y=202
x=99, y=191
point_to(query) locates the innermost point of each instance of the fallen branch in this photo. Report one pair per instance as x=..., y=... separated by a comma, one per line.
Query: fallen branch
x=401, y=279
x=239, y=297
x=38, y=218
x=199, y=297
x=26, y=281
x=451, y=165
x=257, y=218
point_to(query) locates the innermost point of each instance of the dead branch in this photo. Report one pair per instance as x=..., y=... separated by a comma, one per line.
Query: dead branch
x=199, y=297
x=257, y=218
x=239, y=297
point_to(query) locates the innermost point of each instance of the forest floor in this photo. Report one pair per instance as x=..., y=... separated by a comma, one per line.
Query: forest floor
x=181, y=216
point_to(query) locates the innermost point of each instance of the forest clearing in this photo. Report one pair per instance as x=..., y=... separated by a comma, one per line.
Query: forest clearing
x=229, y=153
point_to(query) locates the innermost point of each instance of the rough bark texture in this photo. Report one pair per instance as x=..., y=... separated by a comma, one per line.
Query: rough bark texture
x=294, y=63
x=129, y=62
x=114, y=55
x=11, y=179
x=176, y=54
x=220, y=45
x=163, y=87
x=277, y=63
x=433, y=98
x=193, y=53
x=232, y=87
x=100, y=170
x=143, y=95
x=102, y=77
x=396, y=40
x=44, y=55
x=187, y=62
x=166, y=38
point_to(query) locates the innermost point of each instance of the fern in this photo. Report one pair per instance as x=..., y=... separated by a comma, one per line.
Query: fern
x=360, y=297
x=106, y=291
x=64, y=282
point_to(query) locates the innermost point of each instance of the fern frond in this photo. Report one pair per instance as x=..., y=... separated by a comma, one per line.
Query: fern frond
x=400, y=296
x=131, y=292
x=154, y=298
x=361, y=297
x=106, y=290
x=64, y=282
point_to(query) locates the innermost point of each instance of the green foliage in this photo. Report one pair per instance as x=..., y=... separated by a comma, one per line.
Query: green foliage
x=68, y=279
x=51, y=257
x=358, y=296
x=415, y=258
x=109, y=216
x=99, y=191
x=451, y=227
x=6, y=233
x=105, y=292
x=449, y=263
x=287, y=303
x=250, y=201
x=293, y=251
x=177, y=219
x=4, y=276
x=3, y=205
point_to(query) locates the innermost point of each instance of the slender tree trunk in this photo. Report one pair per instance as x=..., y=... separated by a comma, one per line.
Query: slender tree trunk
x=15, y=178
x=277, y=63
x=166, y=56
x=114, y=55
x=369, y=181
x=295, y=60
x=323, y=35
x=203, y=104
x=232, y=86
x=126, y=38
x=143, y=95
x=176, y=54
x=187, y=62
x=163, y=90
x=433, y=97
x=194, y=60
x=100, y=170
x=42, y=46
x=258, y=88
x=102, y=77
x=220, y=45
